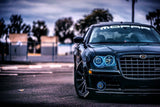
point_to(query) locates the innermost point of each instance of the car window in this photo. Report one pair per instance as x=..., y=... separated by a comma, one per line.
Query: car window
x=85, y=35
x=124, y=33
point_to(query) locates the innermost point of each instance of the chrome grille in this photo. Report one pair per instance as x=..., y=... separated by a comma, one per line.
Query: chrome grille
x=133, y=67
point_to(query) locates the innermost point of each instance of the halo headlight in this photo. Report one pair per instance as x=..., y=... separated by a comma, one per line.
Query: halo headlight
x=98, y=61
x=104, y=61
x=109, y=60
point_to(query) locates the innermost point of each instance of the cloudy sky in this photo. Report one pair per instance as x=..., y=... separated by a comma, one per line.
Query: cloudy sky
x=52, y=10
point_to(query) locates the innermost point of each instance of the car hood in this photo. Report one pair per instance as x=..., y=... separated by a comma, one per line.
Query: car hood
x=125, y=49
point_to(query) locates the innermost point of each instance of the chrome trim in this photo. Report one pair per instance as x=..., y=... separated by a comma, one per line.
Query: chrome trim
x=103, y=70
x=137, y=56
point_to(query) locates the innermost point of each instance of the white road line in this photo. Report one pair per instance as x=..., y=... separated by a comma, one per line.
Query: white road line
x=34, y=67
x=29, y=72
x=37, y=66
x=39, y=72
x=9, y=68
x=55, y=66
x=70, y=65
x=8, y=74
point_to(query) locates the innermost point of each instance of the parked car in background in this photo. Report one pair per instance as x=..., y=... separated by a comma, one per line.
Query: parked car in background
x=117, y=58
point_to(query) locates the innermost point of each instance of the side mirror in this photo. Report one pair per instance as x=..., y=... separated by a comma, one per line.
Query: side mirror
x=78, y=39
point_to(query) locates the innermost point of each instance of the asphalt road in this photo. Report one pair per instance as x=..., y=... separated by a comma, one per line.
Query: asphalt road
x=39, y=85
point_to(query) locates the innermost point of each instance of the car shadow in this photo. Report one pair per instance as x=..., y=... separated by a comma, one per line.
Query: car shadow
x=125, y=99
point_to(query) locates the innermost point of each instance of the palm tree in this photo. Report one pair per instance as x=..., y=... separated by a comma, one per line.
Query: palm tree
x=157, y=20
x=150, y=17
x=154, y=18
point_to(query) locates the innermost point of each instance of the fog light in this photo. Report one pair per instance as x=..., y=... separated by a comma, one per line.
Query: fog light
x=101, y=85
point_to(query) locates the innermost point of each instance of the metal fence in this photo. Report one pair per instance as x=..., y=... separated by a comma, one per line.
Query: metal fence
x=34, y=52
x=21, y=52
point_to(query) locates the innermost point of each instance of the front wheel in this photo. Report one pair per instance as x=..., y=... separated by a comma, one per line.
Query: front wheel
x=80, y=82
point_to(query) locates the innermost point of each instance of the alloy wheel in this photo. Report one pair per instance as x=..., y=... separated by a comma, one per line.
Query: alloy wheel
x=80, y=83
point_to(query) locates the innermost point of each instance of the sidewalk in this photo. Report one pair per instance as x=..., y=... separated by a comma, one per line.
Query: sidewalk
x=43, y=58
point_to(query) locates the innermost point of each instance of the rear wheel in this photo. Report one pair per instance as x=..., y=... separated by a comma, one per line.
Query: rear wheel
x=80, y=82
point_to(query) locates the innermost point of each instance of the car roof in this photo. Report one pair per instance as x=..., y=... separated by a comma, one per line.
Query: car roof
x=118, y=23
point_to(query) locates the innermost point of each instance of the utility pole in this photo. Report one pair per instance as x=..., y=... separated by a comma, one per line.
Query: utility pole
x=133, y=4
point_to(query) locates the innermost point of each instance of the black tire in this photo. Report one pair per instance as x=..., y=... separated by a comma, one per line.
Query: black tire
x=80, y=82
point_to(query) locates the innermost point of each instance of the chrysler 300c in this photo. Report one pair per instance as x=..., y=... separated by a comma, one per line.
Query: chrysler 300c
x=117, y=58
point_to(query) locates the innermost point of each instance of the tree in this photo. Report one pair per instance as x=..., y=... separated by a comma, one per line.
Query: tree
x=133, y=5
x=17, y=25
x=39, y=28
x=4, y=49
x=154, y=18
x=157, y=20
x=63, y=29
x=27, y=28
x=96, y=16
x=150, y=17
x=3, y=28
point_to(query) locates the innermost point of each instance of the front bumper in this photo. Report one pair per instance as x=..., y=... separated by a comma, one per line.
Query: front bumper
x=115, y=83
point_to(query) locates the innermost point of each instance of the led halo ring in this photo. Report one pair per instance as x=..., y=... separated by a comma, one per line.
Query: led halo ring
x=104, y=61
x=98, y=61
x=109, y=60
x=101, y=85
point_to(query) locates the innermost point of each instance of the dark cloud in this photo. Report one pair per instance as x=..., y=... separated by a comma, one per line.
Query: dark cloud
x=5, y=1
x=51, y=10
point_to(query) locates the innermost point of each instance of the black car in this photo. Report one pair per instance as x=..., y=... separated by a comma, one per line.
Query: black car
x=117, y=58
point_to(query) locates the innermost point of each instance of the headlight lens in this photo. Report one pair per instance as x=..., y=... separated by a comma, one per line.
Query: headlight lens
x=109, y=60
x=98, y=61
x=104, y=61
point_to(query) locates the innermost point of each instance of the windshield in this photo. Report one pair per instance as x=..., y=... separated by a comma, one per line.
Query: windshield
x=124, y=34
